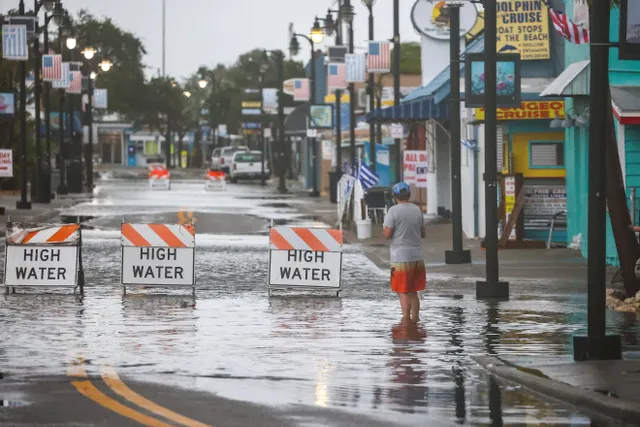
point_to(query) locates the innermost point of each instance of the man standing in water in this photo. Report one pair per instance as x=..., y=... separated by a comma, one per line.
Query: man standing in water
x=404, y=225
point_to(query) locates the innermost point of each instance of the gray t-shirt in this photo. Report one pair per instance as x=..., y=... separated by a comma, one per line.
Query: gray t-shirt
x=406, y=221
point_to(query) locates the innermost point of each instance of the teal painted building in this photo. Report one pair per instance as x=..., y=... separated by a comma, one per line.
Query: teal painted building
x=624, y=77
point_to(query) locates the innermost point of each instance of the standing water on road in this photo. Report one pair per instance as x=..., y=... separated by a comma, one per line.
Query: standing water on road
x=347, y=353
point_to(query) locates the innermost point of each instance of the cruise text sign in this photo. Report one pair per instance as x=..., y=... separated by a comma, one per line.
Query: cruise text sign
x=305, y=257
x=158, y=254
x=45, y=255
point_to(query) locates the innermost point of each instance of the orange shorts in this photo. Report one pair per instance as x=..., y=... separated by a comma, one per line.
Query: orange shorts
x=408, y=276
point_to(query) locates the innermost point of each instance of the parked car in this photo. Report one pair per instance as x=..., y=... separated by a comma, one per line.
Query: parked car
x=247, y=165
x=226, y=156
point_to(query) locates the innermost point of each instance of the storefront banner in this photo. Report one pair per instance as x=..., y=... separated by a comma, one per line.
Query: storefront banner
x=529, y=110
x=523, y=27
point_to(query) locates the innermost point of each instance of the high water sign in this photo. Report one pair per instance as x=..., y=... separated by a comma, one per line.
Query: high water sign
x=523, y=27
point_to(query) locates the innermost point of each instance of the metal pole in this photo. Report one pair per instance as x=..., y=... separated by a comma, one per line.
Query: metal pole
x=352, y=108
x=23, y=203
x=338, y=94
x=379, y=124
x=314, y=145
x=88, y=156
x=491, y=287
x=46, y=185
x=164, y=36
x=372, y=101
x=37, y=91
x=262, y=145
x=396, y=80
x=457, y=255
x=76, y=173
x=282, y=183
x=596, y=345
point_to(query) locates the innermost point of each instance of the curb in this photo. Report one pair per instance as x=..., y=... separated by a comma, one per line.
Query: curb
x=589, y=401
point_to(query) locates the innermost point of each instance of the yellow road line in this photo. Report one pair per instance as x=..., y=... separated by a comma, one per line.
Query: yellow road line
x=114, y=382
x=89, y=390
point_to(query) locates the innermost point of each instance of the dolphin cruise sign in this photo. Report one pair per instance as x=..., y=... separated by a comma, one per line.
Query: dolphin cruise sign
x=523, y=27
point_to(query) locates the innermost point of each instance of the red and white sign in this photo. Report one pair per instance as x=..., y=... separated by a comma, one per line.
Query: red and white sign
x=411, y=161
x=6, y=163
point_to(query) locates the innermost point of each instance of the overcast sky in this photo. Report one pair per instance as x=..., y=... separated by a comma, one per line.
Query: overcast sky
x=205, y=32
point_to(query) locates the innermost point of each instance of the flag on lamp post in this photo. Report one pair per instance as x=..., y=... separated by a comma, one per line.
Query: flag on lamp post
x=356, y=67
x=51, y=67
x=379, y=58
x=336, y=76
x=65, y=79
x=301, y=90
x=75, y=86
x=100, y=98
x=14, y=43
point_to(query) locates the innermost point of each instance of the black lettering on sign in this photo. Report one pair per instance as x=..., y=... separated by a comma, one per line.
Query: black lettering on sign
x=313, y=274
x=41, y=273
x=305, y=256
x=157, y=272
x=160, y=254
x=43, y=255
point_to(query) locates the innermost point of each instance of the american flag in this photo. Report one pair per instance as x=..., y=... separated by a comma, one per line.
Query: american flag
x=14, y=43
x=379, y=58
x=570, y=31
x=65, y=81
x=100, y=98
x=301, y=91
x=356, y=67
x=76, y=82
x=336, y=76
x=51, y=67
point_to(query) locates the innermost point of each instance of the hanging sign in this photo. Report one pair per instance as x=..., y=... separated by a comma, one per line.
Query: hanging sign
x=6, y=163
x=397, y=131
x=523, y=27
x=528, y=110
x=431, y=18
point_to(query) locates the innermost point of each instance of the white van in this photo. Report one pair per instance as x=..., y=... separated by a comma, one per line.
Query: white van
x=247, y=165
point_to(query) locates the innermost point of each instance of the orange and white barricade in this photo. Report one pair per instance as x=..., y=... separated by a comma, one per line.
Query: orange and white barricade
x=43, y=255
x=215, y=180
x=159, y=177
x=158, y=254
x=305, y=258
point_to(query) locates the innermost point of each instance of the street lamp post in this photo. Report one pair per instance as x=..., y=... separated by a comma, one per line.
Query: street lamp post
x=23, y=203
x=332, y=25
x=396, y=80
x=62, y=185
x=371, y=91
x=346, y=14
x=278, y=57
x=316, y=37
x=74, y=175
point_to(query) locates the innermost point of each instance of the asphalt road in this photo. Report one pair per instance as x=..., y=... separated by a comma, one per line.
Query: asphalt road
x=232, y=356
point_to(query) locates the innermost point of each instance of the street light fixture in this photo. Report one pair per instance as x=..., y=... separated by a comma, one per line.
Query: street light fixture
x=72, y=42
x=346, y=12
x=58, y=14
x=48, y=4
x=368, y=3
x=329, y=24
x=89, y=52
x=317, y=34
x=106, y=65
x=294, y=46
x=93, y=75
x=202, y=83
x=187, y=94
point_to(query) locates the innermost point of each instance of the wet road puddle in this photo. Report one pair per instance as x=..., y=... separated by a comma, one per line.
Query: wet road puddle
x=348, y=353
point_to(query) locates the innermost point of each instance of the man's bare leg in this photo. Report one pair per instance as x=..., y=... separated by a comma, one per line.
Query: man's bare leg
x=414, y=305
x=405, y=305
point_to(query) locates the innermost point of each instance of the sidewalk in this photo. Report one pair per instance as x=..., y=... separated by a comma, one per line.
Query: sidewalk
x=601, y=387
x=38, y=212
x=558, y=265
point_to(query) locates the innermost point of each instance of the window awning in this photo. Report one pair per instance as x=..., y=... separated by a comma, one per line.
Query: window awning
x=573, y=81
x=295, y=124
x=418, y=110
x=626, y=104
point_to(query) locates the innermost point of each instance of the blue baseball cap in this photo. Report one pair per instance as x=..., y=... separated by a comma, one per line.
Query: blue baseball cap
x=401, y=188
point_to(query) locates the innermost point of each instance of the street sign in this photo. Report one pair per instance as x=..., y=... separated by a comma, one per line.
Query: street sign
x=251, y=125
x=397, y=131
x=251, y=104
x=312, y=133
x=6, y=163
x=412, y=160
x=251, y=111
x=250, y=91
x=305, y=258
x=42, y=255
x=159, y=177
x=158, y=254
x=214, y=181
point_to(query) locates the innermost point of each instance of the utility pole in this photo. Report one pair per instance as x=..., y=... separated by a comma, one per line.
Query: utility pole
x=492, y=287
x=372, y=101
x=164, y=37
x=62, y=151
x=282, y=183
x=457, y=255
x=352, y=106
x=36, y=182
x=597, y=345
x=314, y=144
x=396, y=81
x=46, y=184
x=23, y=203
x=88, y=152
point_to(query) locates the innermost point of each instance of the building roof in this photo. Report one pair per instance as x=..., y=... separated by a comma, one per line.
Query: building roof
x=417, y=110
x=573, y=81
x=625, y=101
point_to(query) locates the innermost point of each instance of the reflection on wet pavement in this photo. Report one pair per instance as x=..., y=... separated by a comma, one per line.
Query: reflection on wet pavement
x=348, y=353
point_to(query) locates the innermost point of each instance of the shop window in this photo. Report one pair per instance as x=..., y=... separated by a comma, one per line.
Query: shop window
x=546, y=155
x=151, y=148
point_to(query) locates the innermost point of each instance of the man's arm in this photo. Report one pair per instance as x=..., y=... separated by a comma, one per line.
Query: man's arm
x=389, y=223
x=387, y=232
x=423, y=231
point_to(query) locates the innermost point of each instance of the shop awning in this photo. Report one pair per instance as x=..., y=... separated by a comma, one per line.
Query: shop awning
x=418, y=110
x=626, y=104
x=573, y=81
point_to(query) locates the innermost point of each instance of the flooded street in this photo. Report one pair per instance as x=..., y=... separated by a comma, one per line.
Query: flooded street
x=305, y=352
